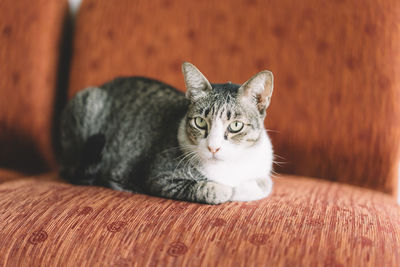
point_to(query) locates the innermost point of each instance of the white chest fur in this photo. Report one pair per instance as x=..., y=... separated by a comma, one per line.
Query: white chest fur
x=254, y=163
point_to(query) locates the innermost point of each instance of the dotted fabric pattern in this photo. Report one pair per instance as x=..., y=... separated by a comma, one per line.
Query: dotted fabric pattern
x=305, y=222
x=335, y=110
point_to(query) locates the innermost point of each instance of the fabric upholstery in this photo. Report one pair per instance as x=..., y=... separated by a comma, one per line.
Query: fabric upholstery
x=333, y=116
x=334, y=111
x=29, y=50
x=7, y=175
x=305, y=222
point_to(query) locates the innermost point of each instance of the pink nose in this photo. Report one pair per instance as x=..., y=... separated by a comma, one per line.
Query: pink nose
x=213, y=150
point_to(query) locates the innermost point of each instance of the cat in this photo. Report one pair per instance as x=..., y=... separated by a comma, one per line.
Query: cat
x=141, y=135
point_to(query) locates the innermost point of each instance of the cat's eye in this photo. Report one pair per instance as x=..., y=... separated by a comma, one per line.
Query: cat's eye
x=200, y=122
x=235, y=126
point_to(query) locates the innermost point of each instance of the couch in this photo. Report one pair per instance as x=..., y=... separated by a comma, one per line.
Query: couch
x=334, y=121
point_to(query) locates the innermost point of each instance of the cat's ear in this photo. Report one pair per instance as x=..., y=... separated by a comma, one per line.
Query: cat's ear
x=258, y=90
x=197, y=85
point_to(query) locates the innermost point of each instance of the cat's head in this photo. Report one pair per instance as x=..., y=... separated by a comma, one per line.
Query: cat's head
x=223, y=120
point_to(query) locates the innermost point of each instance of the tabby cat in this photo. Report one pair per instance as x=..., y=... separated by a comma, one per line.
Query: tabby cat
x=141, y=135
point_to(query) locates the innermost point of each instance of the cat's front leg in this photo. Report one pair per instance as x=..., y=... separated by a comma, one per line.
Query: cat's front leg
x=202, y=191
x=252, y=190
x=210, y=192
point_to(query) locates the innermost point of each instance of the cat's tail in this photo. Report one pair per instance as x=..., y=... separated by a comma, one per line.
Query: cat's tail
x=82, y=141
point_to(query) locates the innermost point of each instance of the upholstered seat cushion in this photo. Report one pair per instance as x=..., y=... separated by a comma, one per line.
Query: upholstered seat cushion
x=7, y=175
x=304, y=222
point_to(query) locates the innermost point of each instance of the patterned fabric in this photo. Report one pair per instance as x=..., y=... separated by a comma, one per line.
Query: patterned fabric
x=29, y=50
x=334, y=113
x=335, y=110
x=305, y=222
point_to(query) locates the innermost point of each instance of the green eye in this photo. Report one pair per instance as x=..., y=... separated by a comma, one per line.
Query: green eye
x=235, y=126
x=200, y=122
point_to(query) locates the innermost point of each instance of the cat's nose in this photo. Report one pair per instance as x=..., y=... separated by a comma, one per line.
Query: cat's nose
x=213, y=150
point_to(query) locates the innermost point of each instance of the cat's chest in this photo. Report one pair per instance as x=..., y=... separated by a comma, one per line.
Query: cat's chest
x=251, y=166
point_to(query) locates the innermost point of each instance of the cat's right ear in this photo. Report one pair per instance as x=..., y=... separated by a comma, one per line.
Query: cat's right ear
x=197, y=85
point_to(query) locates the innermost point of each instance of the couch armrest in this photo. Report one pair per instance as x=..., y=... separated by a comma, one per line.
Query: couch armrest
x=30, y=34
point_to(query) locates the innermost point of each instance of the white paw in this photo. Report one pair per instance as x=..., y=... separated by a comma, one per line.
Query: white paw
x=252, y=190
x=216, y=193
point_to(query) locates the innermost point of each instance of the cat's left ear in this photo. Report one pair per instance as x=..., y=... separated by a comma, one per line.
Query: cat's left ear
x=197, y=85
x=258, y=90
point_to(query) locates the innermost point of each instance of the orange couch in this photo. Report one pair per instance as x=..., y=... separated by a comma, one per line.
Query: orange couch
x=334, y=121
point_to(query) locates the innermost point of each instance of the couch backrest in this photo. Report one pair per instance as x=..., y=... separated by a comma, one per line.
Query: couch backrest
x=30, y=34
x=335, y=110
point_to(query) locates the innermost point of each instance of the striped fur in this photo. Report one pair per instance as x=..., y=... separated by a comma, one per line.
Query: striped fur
x=141, y=135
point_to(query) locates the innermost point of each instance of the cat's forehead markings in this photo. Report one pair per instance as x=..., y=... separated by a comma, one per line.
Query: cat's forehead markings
x=222, y=112
x=228, y=115
x=206, y=112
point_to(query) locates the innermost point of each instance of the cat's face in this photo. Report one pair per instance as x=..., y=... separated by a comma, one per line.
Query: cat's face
x=224, y=119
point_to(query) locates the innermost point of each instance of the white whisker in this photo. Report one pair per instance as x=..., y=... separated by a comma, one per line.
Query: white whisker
x=277, y=156
x=272, y=131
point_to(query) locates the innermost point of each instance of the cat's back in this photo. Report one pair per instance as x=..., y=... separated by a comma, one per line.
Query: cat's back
x=139, y=102
x=127, y=89
x=126, y=120
x=125, y=101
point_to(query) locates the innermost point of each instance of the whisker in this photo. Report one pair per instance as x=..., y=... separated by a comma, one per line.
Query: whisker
x=185, y=156
x=272, y=131
x=276, y=155
x=274, y=174
x=191, y=158
x=170, y=149
x=182, y=158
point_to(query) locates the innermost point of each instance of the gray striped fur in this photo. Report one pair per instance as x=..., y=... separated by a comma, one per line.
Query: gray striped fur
x=124, y=135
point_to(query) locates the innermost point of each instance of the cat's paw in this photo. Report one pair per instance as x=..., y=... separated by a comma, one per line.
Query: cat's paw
x=215, y=193
x=252, y=190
